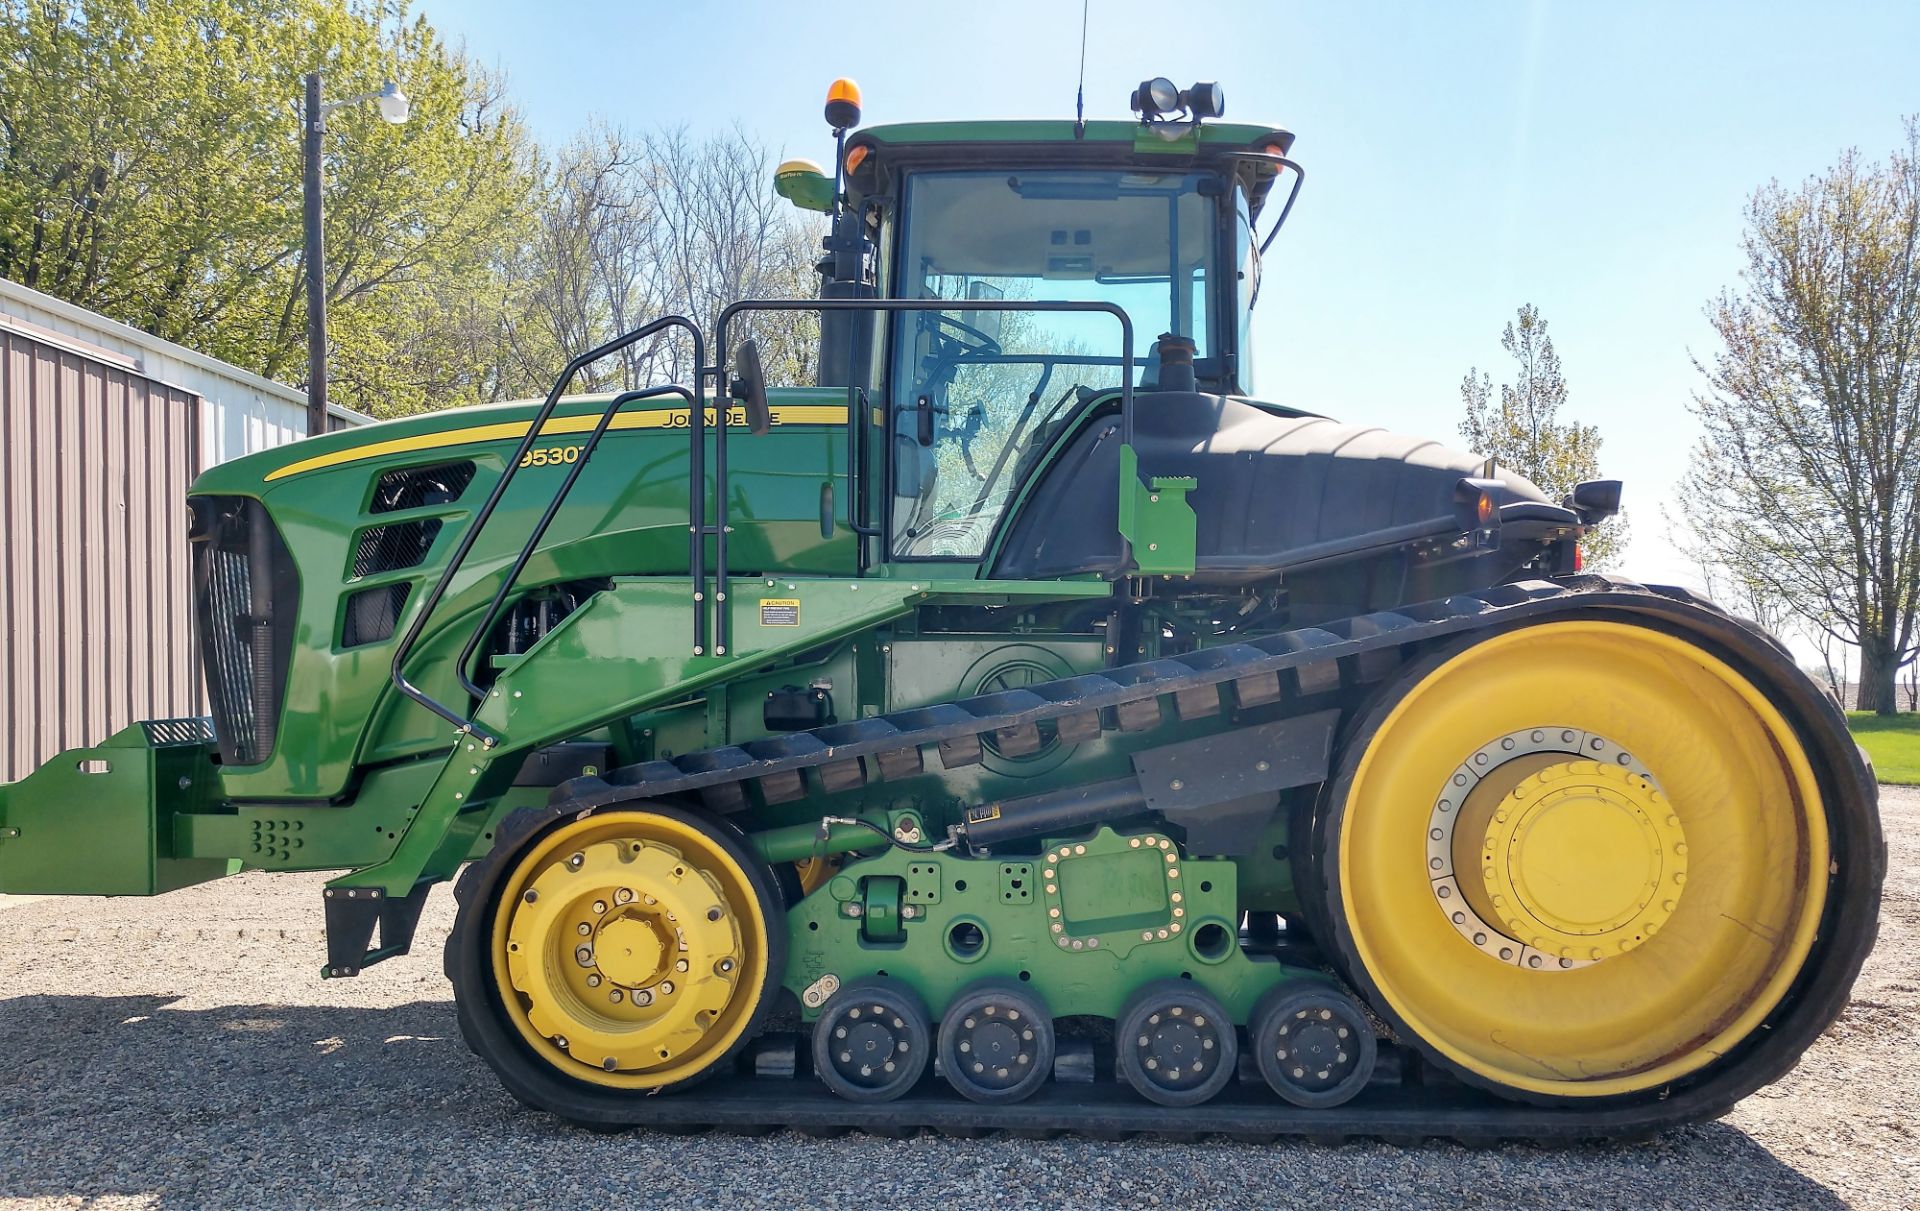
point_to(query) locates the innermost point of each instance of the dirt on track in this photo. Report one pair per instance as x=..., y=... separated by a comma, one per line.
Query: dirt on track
x=182, y=1053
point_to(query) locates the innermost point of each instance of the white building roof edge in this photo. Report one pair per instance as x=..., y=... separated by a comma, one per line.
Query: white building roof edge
x=95, y=327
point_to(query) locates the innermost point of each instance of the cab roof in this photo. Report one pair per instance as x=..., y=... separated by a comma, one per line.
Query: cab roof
x=1057, y=143
x=1141, y=136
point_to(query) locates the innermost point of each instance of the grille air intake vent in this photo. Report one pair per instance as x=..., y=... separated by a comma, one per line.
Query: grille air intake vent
x=389, y=548
x=413, y=487
x=372, y=615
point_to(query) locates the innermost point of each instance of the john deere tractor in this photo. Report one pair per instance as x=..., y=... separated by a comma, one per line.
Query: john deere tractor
x=1012, y=722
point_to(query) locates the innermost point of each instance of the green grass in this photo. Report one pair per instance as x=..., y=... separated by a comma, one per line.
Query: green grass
x=1893, y=741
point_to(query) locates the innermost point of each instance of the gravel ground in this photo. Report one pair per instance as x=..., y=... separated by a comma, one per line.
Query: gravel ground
x=181, y=1053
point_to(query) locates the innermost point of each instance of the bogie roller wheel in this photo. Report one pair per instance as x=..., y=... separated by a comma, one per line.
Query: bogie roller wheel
x=873, y=1041
x=627, y=951
x=996, y=1044
x=1589, y=859
x=1175, y=1044
x=1314, y=1045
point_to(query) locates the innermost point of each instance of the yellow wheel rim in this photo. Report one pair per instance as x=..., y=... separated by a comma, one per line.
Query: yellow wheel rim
x=1644, y=911
x=630, y=949
x=814, y=873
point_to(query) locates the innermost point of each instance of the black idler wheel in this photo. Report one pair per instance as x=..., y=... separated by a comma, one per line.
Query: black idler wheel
x=1175, y=1044
x=996, y=1044
x=1314, y=1045
x=873, y=1041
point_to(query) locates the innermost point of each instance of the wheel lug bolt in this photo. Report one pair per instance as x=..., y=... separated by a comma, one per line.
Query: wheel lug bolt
x=593, y=981
x=599, y=906
x=585, y=929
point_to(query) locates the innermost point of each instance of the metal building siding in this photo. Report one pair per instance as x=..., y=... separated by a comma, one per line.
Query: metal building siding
x=242, y=412
x=95, y=607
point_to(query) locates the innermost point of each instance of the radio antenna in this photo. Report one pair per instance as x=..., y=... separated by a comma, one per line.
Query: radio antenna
x=1080, y=96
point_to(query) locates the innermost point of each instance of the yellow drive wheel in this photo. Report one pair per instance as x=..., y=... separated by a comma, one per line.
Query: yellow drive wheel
x=634, y=948
x=1577, y=859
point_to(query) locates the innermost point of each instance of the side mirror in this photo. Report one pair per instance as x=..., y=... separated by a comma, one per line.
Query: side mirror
x=750, y=387
x=1595, y=499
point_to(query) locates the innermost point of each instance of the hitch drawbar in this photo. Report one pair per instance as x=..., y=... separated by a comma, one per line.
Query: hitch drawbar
x=1222, y=789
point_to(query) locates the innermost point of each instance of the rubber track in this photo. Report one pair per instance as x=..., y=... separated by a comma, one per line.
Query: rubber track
x=1356, y=650
x=764, y=1093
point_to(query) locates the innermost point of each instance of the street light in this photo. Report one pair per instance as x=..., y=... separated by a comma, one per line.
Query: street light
x=394, y=109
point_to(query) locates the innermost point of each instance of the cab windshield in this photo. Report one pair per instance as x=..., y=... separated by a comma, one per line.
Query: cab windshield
x=976, y=394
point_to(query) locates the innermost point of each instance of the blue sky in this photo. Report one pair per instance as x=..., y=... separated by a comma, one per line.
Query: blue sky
x=1462, y=158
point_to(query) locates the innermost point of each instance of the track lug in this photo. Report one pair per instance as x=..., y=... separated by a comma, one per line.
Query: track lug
x=899, y=763
x=776, y=1057
x=1138, y=716
x=960, y=751
x=1078, y=727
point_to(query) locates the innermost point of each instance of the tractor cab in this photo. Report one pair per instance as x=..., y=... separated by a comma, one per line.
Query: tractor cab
x=1154, y=219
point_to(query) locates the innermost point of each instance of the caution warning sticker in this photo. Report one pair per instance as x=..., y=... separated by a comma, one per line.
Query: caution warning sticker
x=779, y=611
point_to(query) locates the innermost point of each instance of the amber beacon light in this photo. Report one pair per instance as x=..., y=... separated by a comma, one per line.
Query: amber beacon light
x=843, y=104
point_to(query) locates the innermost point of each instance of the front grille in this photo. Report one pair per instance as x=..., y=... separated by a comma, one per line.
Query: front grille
x=389, y=548
x=248, y=597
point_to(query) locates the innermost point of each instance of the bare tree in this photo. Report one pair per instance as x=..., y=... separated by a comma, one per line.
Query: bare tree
x=584, y=270
x=637, y=226
x=1749, y=598
x=1807, y=480
x=720, y=235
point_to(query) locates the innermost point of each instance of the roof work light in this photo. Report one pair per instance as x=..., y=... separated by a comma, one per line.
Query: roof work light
x=1158, y=100
x=1155, y=98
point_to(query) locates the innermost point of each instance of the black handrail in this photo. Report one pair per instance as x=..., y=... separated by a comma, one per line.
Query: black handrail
x=1293, y=195
x=723, y=636
x=486, y=510
x=857, y=405
x=546, y=519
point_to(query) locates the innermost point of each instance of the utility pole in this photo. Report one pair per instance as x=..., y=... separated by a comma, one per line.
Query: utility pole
x=314, y=122
x=394, y=109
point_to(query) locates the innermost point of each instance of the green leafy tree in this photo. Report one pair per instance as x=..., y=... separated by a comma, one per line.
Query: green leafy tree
x=1520, y=427
x=1806, y=482
x=150, y=169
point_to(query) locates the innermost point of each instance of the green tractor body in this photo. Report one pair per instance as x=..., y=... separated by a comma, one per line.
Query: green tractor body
x=1018, y=663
